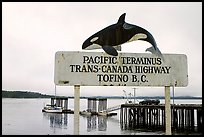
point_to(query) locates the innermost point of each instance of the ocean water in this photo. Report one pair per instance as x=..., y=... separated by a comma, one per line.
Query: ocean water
x=25, y=117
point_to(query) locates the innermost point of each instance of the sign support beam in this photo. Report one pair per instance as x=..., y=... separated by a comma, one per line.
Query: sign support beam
x=167, y=110
x=76, y=108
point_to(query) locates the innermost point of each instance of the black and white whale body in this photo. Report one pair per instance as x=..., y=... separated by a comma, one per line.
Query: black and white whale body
x=111, y=37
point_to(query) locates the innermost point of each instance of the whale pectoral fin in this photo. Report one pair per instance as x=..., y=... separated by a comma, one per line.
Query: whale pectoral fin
x=110, y=50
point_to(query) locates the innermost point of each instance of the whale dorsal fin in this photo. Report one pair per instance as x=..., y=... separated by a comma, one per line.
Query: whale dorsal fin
x=122, y=18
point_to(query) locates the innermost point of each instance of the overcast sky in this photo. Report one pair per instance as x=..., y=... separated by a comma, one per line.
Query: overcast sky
x=33, y=32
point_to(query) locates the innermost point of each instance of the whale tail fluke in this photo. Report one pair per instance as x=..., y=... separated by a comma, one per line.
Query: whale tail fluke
x=155, y=51
x=118, y=48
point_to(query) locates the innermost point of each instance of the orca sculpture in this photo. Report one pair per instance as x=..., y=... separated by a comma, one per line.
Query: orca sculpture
x=111, y=37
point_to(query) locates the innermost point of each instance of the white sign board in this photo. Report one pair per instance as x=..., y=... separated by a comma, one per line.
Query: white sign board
x=126, y=69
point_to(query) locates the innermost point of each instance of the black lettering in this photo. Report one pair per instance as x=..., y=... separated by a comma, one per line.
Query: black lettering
x=112, y=78
x=114, y=60
x=95, y=68
x=123, y=60
x=133, y=60
x=104, y=69
x=156, y=70
x=99, y=77
x=105, y=78
x=105, y=60
x=159, y=62
x=84, y=69
x=78, y=67
x=134, y=78
x=137, y=69
x=128, y=60
x=86, y=58
x=97, y=59
x=150, y=69
x=125, y=78
x=72, y=68
x=143, y=78
x=145, y=69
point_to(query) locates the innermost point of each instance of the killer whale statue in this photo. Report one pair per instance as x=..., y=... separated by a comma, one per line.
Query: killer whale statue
x=111, y=37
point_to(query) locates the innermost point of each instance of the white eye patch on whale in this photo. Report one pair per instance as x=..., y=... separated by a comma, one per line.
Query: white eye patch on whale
x=94, y=39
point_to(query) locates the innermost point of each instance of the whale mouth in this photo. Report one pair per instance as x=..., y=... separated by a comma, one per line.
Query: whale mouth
x=138, y=36
x=92, y=46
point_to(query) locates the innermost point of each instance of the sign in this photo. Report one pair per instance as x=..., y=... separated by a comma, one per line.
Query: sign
x=126, y=69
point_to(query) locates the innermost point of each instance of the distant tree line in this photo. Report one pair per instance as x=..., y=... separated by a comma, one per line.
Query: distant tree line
x=24, y=94
x=28, y=94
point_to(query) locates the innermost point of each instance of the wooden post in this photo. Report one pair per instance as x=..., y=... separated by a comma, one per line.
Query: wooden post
x=76, y=108
x=167, y=110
